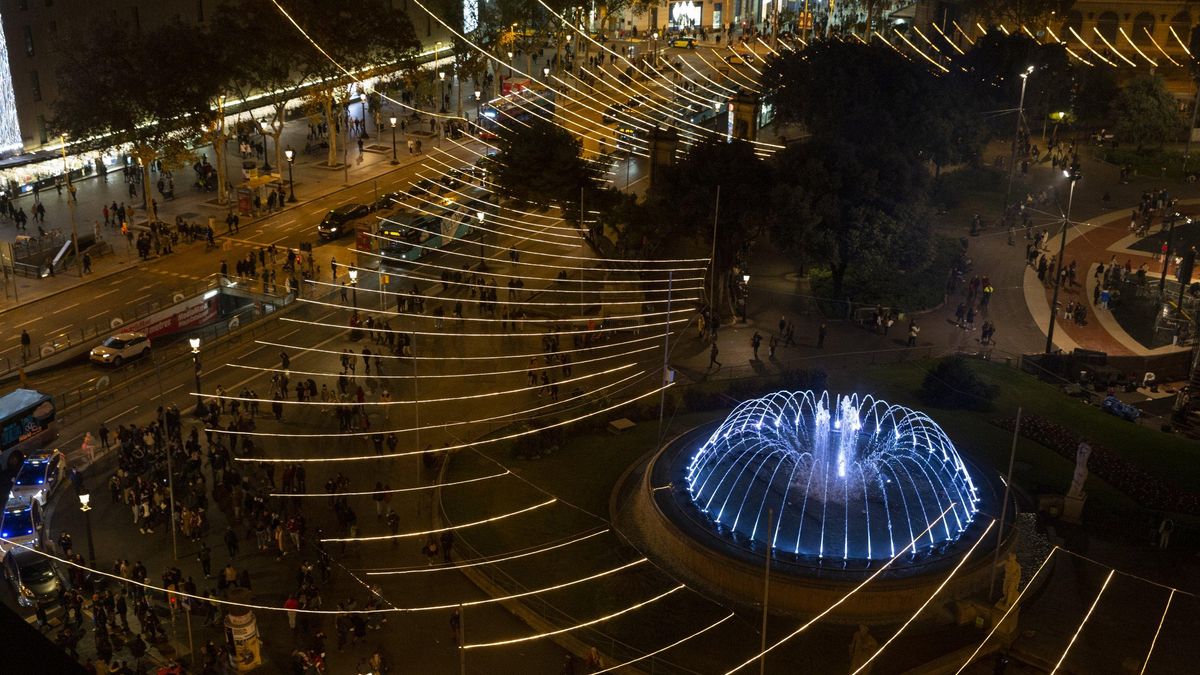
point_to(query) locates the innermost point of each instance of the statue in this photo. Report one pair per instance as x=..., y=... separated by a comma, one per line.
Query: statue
x=1081, y=470
x=862, y=647
x=1012, y=582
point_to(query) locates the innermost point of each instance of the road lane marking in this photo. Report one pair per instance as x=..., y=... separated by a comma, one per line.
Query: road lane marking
x=28, y=322
x=120, y=414
x=98, y=315
x=101, y=295
x=63, y=309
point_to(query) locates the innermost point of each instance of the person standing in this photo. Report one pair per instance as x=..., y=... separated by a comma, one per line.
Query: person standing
x=205, y=558
x=755, y=342
x=231, y=541
x=822, y=331
x=913, y=329
x=26, y=341
x=712, y=356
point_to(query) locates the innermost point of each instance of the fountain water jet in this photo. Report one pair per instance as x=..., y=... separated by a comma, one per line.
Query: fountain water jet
x=849, y=479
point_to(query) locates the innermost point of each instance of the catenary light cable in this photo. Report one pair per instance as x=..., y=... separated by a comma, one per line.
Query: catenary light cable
x=669, y=647
x=996, y=625
x=866, y=664
x=426, y=569
x=1157, y=631
x=448, y=448
x=439, y=530
x=560, y=631
x=332, y=495
x=1159, y=47
x=845, y=597
x=1112, y=47
x=1083, y=623
x=1152, y=62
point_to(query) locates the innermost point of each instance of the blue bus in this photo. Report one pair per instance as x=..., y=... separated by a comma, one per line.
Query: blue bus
x=408, y=235
x=520, y=105
x=26, y=422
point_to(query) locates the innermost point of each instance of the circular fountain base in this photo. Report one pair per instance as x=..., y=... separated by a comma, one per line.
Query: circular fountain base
x=652, y=505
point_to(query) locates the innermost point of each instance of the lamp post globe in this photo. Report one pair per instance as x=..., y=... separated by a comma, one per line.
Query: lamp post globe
x=354, y=287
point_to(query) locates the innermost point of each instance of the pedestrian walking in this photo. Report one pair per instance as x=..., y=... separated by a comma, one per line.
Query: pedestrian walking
x=822, y=331
x=26, y=341
x=231, y=541
x=205, y=558
x=913, y=329
x=755, y=342
x=712, y=356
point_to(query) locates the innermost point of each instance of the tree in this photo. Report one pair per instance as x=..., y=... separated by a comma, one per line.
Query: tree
x=142, y=89
x=542, y=163
x=1147, y=113
x=1095, y=92
x=358, y=38
x=1015, y=13
x=680, y=204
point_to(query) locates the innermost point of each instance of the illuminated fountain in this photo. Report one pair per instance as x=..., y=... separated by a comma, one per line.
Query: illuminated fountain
x=846, y=478
x=834, y=489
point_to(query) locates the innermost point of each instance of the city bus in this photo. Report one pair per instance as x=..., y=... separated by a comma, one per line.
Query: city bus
x=521, y=106
x=409, y=235
x=26, y=423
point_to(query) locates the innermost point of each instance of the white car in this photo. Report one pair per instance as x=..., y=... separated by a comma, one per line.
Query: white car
x=121, y=347
x=41, y=472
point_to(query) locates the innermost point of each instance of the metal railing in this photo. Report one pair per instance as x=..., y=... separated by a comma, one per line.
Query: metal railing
x=12, y=359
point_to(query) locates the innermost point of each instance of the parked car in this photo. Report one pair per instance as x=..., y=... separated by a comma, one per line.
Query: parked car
x=340, y=221
x=1114, y=406
x=34, y=577
x=119, y=348
x=40, y=473
x=389, y=200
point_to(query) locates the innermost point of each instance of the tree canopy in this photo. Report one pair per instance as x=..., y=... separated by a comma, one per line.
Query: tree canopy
x=1015, y=12
x=541, y=162
x=1147, y=113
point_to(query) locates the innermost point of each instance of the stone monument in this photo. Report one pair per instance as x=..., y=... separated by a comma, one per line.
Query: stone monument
x=1075, y=497
x=862, y=647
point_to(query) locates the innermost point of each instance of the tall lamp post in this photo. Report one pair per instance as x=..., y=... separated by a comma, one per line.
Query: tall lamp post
x=266, y=152
x=478, y=102
x=71, y=207
x=654, y=49
x=1073, y=176
x=354, y=286
x=290, y=155
x=442, y=100
x=1016, y=137
x=482, y=234
x=195, y=344
x=84, y=501
x=393, y=120
x=510, y=55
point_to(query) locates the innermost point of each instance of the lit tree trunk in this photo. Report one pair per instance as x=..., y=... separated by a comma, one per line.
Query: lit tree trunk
x=277, y=133
x=146, y=155
x=327, y=101
x=218, y=146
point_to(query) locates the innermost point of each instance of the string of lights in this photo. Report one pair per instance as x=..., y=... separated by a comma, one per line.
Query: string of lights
x=866, y=664
x=1016, y=602
x=435, y=376
x=443, y=449
x=426, y=569
x=552, y=331
x=514, y=303
x=1083, y=623
x=393, y=491
x=669, y=647
x=1157, y=631
x=440, y=426
x=439, y=530
x=560, y=631
x=845, y=597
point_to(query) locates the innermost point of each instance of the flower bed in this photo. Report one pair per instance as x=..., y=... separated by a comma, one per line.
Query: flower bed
x=1146, y=489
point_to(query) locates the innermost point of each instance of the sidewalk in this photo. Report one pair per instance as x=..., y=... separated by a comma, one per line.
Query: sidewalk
x=313, y=180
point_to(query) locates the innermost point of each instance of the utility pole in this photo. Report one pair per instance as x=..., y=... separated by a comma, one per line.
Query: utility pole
x=712, y=264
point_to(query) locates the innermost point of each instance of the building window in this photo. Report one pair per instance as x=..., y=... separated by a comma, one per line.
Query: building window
x=36, y=85
x=28, y=41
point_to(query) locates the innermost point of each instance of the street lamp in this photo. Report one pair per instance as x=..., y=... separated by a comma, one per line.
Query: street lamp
x=262, y=127
x=1016, y=136
x=392, y=120
x=1073, y=176
x=195, y=343
x=290, y=155
x=84, y=499
x=510, y=55
x=478, y=98
x=442, y=77
x=745, y=295
x=354, y=286
x=654, y=48
x=482, y=234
